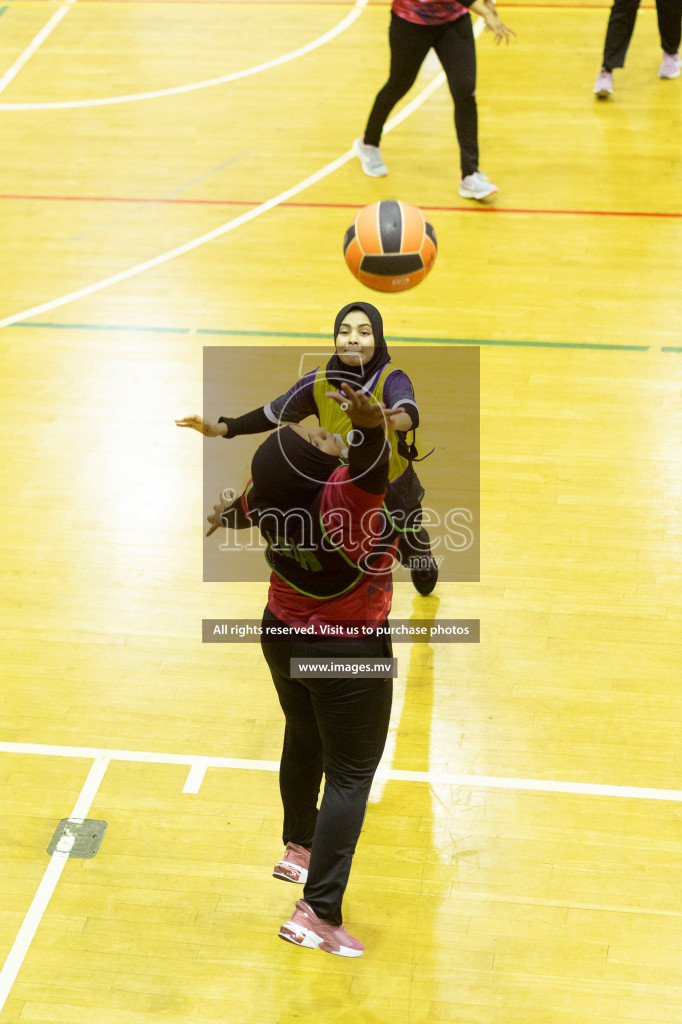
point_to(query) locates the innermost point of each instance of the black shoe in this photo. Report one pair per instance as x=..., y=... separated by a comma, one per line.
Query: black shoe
x=425, y=579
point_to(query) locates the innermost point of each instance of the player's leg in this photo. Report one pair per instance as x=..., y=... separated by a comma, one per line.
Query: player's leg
x=669, y=25
x=403, y=501
x=414, y=552
x=619, y=33
x=409, y=45
x=456, y=49
x=353, y=716
x=300, y=774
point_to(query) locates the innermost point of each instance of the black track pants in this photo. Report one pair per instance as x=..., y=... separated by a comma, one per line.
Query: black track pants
x=456, y=49
x=337, y=726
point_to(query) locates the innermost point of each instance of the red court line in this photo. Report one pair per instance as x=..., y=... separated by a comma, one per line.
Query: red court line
x=669, y=214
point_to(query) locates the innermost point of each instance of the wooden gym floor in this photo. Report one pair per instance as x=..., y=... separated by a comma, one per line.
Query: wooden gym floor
x=153, y=201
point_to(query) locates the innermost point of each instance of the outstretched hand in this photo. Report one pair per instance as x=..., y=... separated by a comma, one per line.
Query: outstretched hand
x=227, y=499
x=497, y=27
x=203, y=426
x=363, y=410
x=486, y=9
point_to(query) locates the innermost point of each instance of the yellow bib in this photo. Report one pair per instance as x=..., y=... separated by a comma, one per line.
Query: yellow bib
x=336, y=421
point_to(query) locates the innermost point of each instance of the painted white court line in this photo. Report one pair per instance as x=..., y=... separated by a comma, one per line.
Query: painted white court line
x=199, y=763
x=37, y=41
x=48, y=883
x=345, y=23
x=195, y=776
x=102, y=757
x=223, y=229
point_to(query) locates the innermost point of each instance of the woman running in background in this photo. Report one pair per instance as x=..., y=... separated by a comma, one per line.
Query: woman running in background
x=416, y=26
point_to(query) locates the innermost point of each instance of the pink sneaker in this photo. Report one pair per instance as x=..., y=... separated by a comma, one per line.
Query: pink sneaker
x=307, y=929
x=670, y=68
x=293, y=866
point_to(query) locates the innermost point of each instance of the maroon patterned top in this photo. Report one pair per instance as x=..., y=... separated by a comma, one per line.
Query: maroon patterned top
x=429, y=12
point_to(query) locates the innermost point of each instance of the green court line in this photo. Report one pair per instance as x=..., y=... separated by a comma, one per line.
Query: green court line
x=524, y=344
x=109, y=327
x=218, y=332
x=2, y=10
x=263, y=334
x=670, y=348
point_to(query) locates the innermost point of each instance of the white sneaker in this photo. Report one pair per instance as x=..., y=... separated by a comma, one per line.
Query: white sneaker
x=370, y=158
x=603, y=87
x=671, y=66
x=476, y=186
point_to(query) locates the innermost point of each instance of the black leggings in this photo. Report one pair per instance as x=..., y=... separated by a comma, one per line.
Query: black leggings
x=456, y=50
x=622, y=23
x=335, y=726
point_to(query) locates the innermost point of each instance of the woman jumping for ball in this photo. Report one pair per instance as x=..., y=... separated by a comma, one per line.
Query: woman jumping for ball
x=336, y=720
x=362, y=360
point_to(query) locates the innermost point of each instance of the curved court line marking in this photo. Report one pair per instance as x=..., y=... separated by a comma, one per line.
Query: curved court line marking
x=176, y=90
x=199, y=763
x=48, y=882
x=45, y=31
x=218, y=232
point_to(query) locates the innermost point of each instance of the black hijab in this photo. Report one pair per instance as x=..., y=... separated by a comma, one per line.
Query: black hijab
x=288, y=473
x=357, y=375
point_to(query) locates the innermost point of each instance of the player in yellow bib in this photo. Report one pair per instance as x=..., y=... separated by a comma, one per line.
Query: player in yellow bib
x=362, y=360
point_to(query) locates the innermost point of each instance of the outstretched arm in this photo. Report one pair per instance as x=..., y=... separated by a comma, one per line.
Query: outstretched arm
x=486, y=10
x=203, y=426
x=254, y=422
x=228, y=512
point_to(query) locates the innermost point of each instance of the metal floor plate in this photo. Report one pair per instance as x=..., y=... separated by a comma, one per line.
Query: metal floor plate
x=79, y=837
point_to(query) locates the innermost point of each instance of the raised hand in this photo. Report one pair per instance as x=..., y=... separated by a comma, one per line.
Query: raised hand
x=363, y=410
